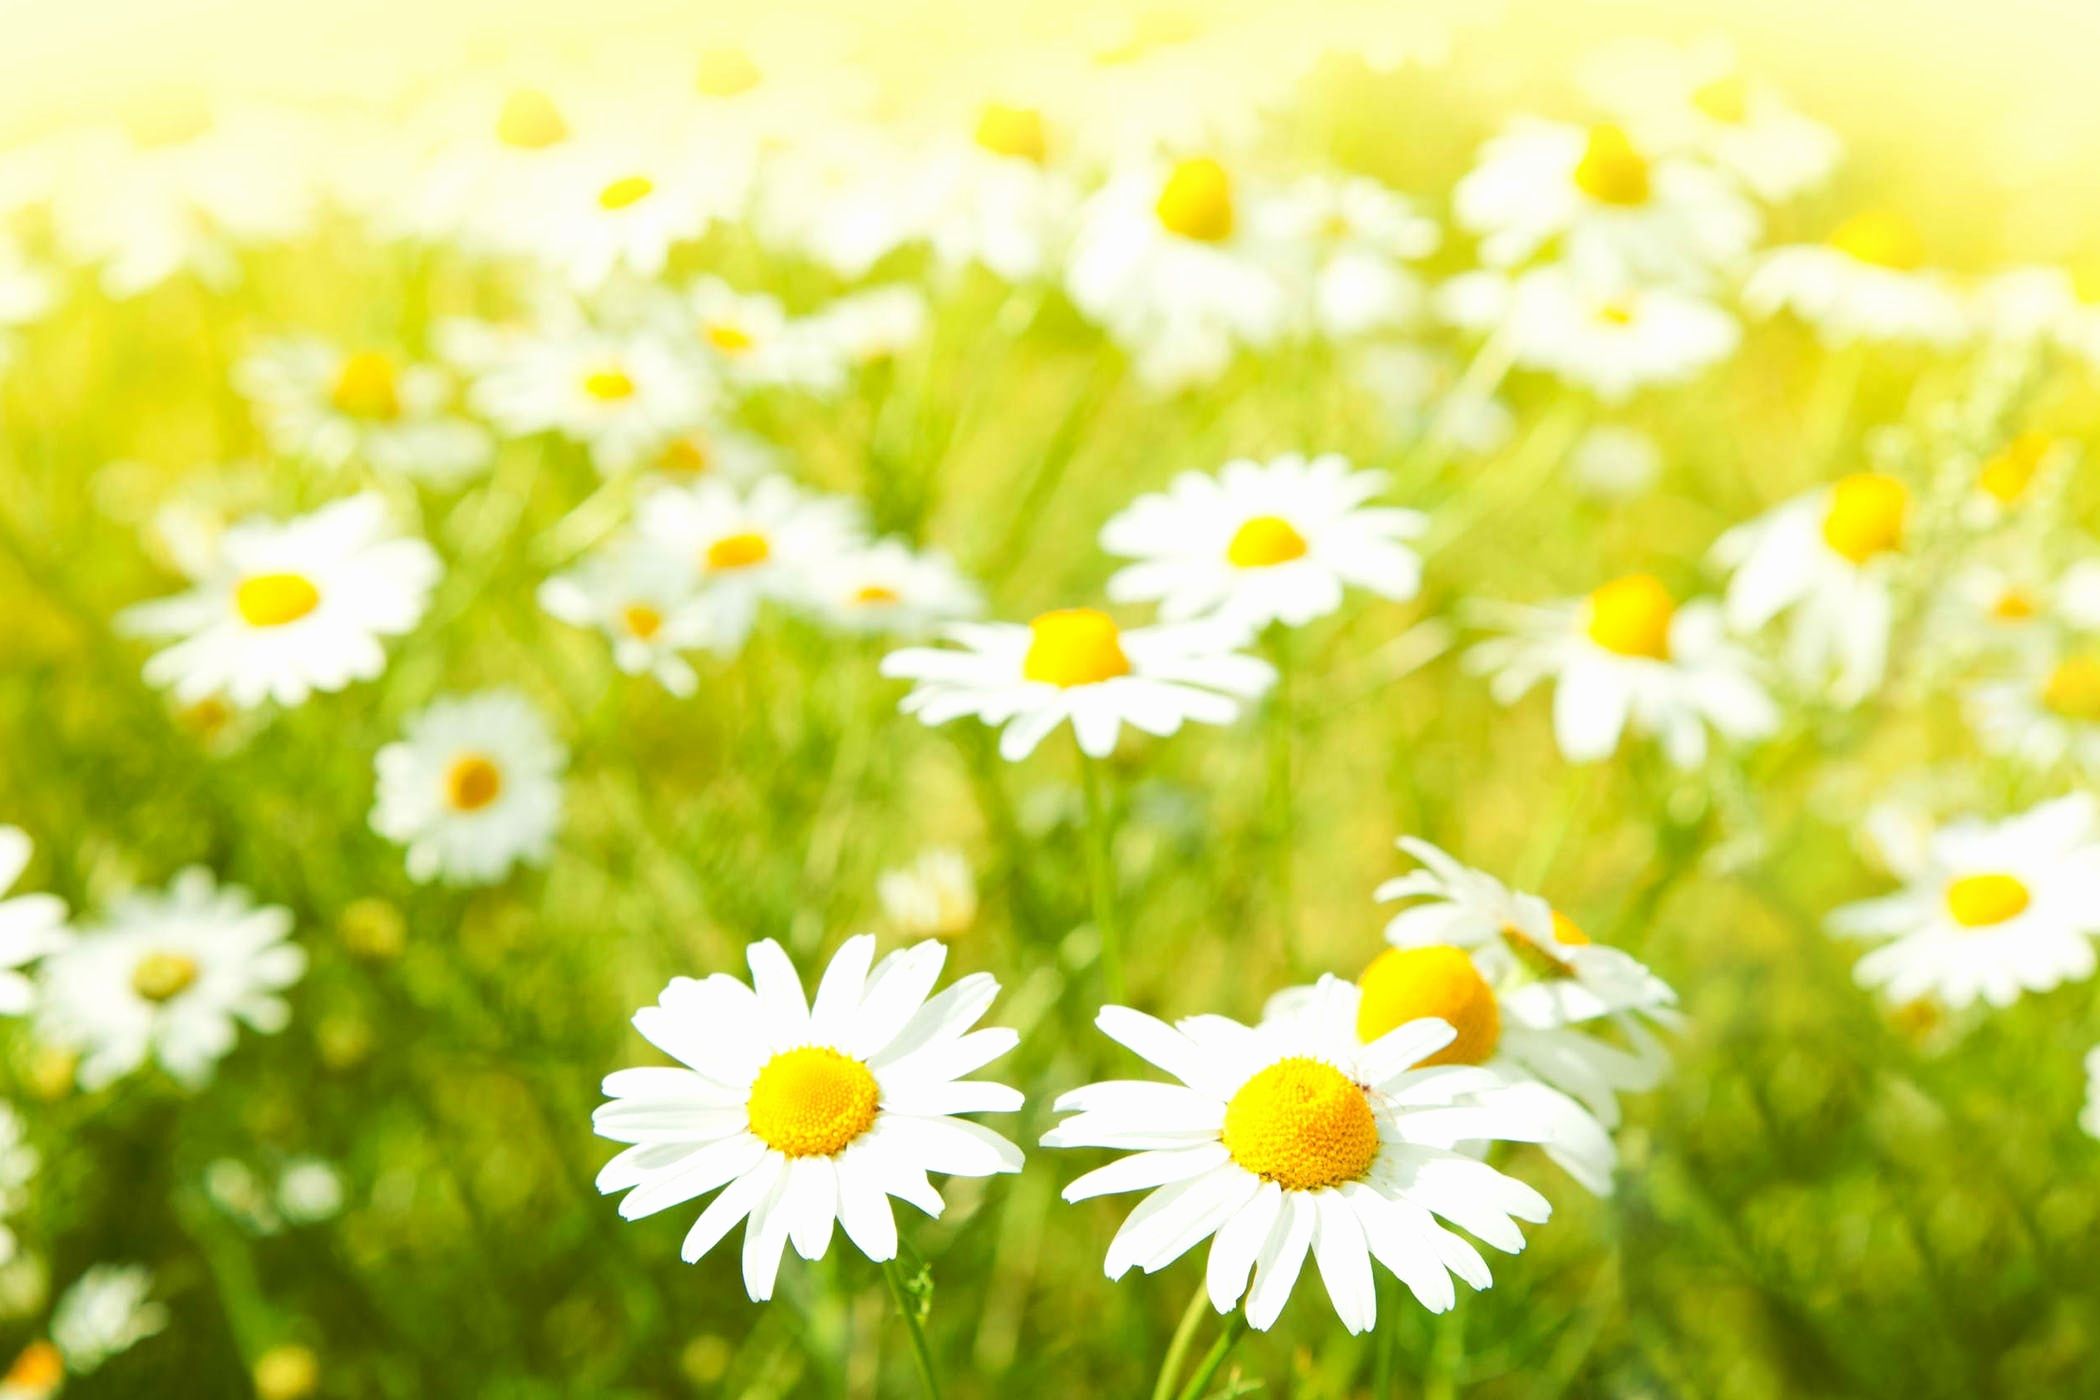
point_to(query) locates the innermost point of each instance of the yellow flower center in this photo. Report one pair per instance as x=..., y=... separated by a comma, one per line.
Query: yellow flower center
x=1866, y=516
x=2015, y=604
x=472, y=782
x=1631, y=616
x=1302, y=1124
x=1540, y=959
x=1880, y=238
x=609, y=385
x=641, y=621
x=272, y=600
x=728, y=337
x=726, y=73
x=367, y=387
x=876, y=595
x=2073, y=689
x=1196, y=201
x=163, y=976
x=1978, y=901
x=36, y=1372
x=530, y=121
x=1616, y=313
x=1263, y=542
x=1012, y=131
x=743, y=550
x=1611, y=171
x=682, y=457
x=1406, y=984
x=626, y=192
x=812, y=1101
x=2010, y=471
x=1074, y=646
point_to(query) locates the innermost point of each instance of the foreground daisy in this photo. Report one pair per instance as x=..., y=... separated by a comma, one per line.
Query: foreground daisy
x=284, y=609
x=1076, y=664
x=1988, y=909
x=645, y=603
x=808, y=1113
x=472, y=788
x=2047, y=716
x=1868, y=283
x=1628, y=655
x=1264, y=542
x=167, y=975
x=337, y=407
x=1293, y=1136
x=31, y=925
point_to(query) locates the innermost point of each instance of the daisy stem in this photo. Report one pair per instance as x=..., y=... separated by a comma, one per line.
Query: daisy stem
x=1100, y=869
x=1283, y=833
x=1178, y=1347
x=1214, y=1359
x=893, y=1274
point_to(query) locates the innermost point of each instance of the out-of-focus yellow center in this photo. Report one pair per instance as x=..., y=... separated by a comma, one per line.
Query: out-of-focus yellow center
x=608, y=385
x=163, y=976
x=812, y=1101
x=1880, y=238
x=682, y=457
x=1724, y=99
x=367, y=386
x=1302, y=1124
x=2011, y=469
x=530, y=121
x=728, y=337
x=641, y=621
x=37, y=1372
x=626, y=192
x=1074, y=646
x=1406, y=984
x=2015, y=604
x=272, y=600
x=1263, y=542
x=1616, y=313
x=1611, y=171
x=472, y=782
x=1196, y=201
x=726, y=73
x=743, y=550
x=1012, y=131
x=1631, y=616
x=1539, y=957
x=876, y=595
x=1867, y=514
x=2085, y=279
x=2073, y=689
x=1978, y=901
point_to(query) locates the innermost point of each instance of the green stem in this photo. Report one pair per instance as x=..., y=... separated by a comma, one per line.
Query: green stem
x=1282, y=807
x=921, y=1353
x=1101, y=875
x=1178, y=1348
x=1214, y=1359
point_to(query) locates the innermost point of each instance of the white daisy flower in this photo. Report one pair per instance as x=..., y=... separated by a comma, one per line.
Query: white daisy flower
x=1617, y=210
x=2014, y=612
x=166, y=975
x=645, y=603
x=337, y=407
x=472, y=788
x=1264, y=542
x=1988, y=909
x=832, y=197
x=621, y=395
x=2050, y=304
x=1868, y=283
x=1354, y=237
x=31, y=925
x=622, y=207
x=283, y=609
x=714, y=450
x=108, y=1310
x=2046, y=717
x=808, y=1113
x=1629, y=655
x=492, y=147
x=1826, y=557
x=871, y=326
x=933, y=897
x=1076, y=664
x=889, y=587
x=1294, y=1137
x=753, y=344
x=994, y=200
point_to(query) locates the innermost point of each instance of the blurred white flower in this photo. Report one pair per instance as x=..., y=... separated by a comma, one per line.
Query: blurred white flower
x=1614, y=462
x=933, y=897
x=472, y=788
x=341, y=407
x=621, y=395
x=1868, y=283
x=888, y=587
x=2046, y=717
x=1348, y=241
x=31, y=925
x=646, y=603
x=108, y=1310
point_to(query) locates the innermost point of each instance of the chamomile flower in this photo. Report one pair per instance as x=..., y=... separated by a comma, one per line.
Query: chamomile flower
x=108, y=1311
x=1077, y=665
x=889, y=587
x=1628, y=655
x=934, y=896
x=1354, y=239
x=1988, y=909
x=751, y=343
x=337, y=407
x=282, y=609
x=2014, y=611
x=1825, y=558
x=31, y=925
x=747, y=547
x=2047, y=716
x=808, y=1113
x=168, y=975
x=646, y=604
x=472, y=788
x=871, y=326
x=1293, y=1137
x=713, y=450
x=1264, y=542
x=621, y=208
x=995, y=200
x=621, y=395
x=2048, y=304
x=1868, y=283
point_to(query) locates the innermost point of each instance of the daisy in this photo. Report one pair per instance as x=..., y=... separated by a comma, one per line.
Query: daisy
x=1264, y=542
x=1629, y=655
x=994, y=200
x=31, y=925
x=166, y=975
x=2014, y=611
x=730, y=453
x=1988, y=909
x=621, y=208
x=869, y=327
x=472, y=788
x=336, y=407
x=933, y=897
x=283, y=609
x=108, y=1310
x=1294, y=1137
x=2024, y=466
x=752, y=344
x=889, y=587
x=808, y=1113
x=1076, y=664
x=623, y=396
x=1867, y=283
x=1355, y=238
x=2049, y=304
x=645, y=603
x=2046, y=717
x=833, y=197
x=1617, y=209
x=1826, y=557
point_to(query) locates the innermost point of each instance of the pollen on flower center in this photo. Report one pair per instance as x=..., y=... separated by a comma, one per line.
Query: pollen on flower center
x=726, y=73
x=1866, y=516
x=1978, y=901
x=367, y=386
x=812, y=1101
x=2073, y=689
x=272, y=600
x=530, y=121
x=626, y=192
x=1406, y=984
x=1631, y=616
x=608, y=385
x=472, y=782
x=1879, y=238
x=1725, y=99
x=1302, y=1124
x=1074, y=646
x=739, y=551
x=641, y=620
x=1264, y=541
x=1611, y=171
x=1196, y=201
x=163, y=976
x=2010, y=471
x=1012, y=131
